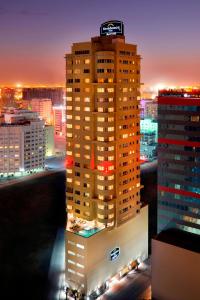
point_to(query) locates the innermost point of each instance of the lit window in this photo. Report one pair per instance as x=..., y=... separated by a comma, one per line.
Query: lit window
x=69, y=107
x=77, y=108
x=87, y=147
x=69, y=98
x=77, y=127
x=80, y=266
x=101, y=129
x=110, y=158
x=100, y=90
x=87, y=61
x=71, y=271
x=110, y=129
x=77, y=182
x=69, y=89
x=87, y=175
x=86, y=99
x=71, y=261
x=87, y=80
x=79, y=274
x=77, y=118
x=69, y=134
x=69, y=125
x=71, y=252
x=110, y=90
x=77, y=155
x=110, y=109
x=86, y=108
x=77, y=145
x=69, y=117
x=87, y=118
x=80, y=246
x=87, y=90
x=87, y=137
x=69, y=180
x=77, y=71
x=100, y=119
x=86, y=156
x=110, y=119
x=77, y=99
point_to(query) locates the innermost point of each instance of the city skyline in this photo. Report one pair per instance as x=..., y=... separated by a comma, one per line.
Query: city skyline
x=37, y=34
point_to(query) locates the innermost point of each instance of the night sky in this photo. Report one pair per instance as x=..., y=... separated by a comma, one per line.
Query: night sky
x=34, y=36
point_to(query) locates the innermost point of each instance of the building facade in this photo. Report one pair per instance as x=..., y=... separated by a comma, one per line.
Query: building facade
x=56, y=94
x=179, y=160
x=22, y=143
x=103, y=161
x=44, y=109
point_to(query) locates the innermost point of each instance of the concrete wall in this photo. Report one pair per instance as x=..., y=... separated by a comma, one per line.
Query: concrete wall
x=175, y=272
x=131, y=237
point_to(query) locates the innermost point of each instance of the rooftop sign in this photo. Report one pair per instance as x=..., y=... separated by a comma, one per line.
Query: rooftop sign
x=112, y=28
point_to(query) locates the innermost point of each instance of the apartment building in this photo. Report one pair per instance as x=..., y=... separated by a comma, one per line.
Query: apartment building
x=22, y=143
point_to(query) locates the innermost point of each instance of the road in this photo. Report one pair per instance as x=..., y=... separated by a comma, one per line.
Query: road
x=56, y=276
x=135, y=286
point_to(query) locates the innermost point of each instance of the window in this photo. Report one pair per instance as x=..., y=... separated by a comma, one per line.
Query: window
x=87, y=61
x=86, y=71
x=87, y=118
x=100, y=90
x=69, y=89
x=86, y=99
x=87, y=80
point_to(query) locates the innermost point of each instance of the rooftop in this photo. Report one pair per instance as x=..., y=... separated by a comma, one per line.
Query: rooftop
x=184, y=93
x=180, y=238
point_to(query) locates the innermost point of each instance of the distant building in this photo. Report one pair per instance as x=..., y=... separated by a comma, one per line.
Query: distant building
x=59, y=120
x=44, y=108
x=149, y=109
x=56, y=94
x=22, y=143
x=49, y=141
x=149, y=139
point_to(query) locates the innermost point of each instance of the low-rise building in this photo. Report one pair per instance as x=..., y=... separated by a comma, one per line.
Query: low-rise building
x=22, y=143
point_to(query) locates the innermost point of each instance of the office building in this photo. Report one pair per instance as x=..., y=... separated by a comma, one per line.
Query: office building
x=179, y=160
x=176, y=248
x=106, y=229
x=22, y=143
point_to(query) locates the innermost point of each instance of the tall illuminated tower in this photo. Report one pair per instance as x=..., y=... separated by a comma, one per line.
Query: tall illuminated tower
x=106, y=229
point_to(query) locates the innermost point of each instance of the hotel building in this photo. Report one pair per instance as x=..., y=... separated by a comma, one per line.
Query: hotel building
x=22, y=143
x=106, y=228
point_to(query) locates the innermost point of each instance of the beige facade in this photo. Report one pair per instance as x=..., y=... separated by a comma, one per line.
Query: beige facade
x=88, y=259
x=103, y=136
x=175, y=272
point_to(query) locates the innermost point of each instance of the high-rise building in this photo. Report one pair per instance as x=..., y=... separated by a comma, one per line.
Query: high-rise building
x=179, y=160
x=176, y=248
x=22, y=143
x=106, y=229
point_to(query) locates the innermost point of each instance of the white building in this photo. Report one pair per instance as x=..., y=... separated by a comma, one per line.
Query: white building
x=49, y=141
x=22, y=143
